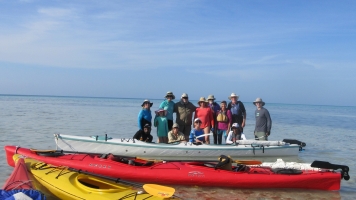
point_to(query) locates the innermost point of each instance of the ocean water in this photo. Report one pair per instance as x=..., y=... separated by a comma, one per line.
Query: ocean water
x=329, y=132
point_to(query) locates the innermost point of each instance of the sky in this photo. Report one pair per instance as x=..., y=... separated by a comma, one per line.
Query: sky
x=293, y=52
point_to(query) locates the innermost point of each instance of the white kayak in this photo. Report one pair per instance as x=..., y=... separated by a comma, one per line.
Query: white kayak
x=135, y=148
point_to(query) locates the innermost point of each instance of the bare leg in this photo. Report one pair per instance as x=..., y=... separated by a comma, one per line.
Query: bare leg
x=207, y=131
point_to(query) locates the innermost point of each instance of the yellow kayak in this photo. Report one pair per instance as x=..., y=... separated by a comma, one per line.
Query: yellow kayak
x=67, y=184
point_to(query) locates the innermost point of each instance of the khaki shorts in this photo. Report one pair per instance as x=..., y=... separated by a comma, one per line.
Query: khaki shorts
x=260, y=136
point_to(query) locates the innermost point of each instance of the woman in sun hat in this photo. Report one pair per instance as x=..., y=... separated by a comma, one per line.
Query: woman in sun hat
x=168, y=105
x=145, y=116
x=161, y=123
x=215, y=108
x=205, y=115
x=263, y=121
x=237, y=110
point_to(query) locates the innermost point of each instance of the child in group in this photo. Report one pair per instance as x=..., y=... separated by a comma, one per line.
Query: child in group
x=235, y=134
x=161, y=123
x=197, y=131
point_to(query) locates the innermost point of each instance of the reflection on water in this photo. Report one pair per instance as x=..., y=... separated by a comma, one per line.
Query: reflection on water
x=329, y=132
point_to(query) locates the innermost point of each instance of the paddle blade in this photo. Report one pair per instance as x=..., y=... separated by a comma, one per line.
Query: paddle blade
x=149, y=160
x=248, y=162
x=43, y=151
x=159, y=190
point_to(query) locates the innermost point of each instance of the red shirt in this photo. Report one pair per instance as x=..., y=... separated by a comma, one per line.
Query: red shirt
x=205, y=115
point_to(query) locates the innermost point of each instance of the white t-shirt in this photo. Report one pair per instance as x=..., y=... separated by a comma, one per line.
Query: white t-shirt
x=231, y=136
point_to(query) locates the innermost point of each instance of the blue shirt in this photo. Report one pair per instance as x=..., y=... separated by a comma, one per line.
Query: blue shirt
x=195, y=133
x=169, y=106
x=144, y=115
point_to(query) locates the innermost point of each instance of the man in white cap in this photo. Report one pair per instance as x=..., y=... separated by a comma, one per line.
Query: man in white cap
x=184, y=112
x=238, y=110
x=263, y=121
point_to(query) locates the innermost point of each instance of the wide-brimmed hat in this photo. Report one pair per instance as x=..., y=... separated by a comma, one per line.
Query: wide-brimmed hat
x=201, y=99
x=161, y=110
x=175, y=125
x=211, y=97
x=184, y=95
x=233, y=95
x=146, y=100
x=170, y=94
x=259, y=100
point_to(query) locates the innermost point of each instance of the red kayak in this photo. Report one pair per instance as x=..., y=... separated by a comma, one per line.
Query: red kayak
x=192, y=173
x=19, y=178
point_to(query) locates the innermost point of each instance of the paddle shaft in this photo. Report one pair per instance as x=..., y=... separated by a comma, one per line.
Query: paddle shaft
x=73, y=152
x=246, y=162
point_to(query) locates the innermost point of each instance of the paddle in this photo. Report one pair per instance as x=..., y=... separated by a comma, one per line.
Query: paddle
x=327, y=165
x=152, y=189
x=244, y=162
x=159, y=190
x=59, y=152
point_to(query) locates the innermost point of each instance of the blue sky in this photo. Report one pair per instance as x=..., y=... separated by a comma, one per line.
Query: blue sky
x=300, y=52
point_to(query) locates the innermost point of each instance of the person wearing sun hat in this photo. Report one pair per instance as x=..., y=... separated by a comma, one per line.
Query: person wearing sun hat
x=215, y=107
x=238, y=110
x=184, y=110
x=161, y=123
x=145, y=116
x=168, y=105
x=205, y=114
x=263, y=121
x=175, y=135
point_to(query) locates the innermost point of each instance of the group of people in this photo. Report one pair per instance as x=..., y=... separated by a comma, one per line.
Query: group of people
x=224, y=119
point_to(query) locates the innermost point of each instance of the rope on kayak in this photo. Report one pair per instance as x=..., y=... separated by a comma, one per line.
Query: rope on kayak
x=261, y=146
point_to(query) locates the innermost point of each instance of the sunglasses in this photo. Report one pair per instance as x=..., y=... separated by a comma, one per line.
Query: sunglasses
x=198, y=122
x=185, y=97
x=169, y=96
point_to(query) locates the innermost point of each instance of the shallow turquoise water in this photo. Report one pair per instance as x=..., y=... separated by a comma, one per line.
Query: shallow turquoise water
x=329, y=131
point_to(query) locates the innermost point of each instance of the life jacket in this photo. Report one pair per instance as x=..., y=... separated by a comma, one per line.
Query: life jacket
x=222, y=117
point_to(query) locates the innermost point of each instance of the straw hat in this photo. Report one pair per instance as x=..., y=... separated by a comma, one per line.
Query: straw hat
x=259, y=100
x=211, y=97
x=233, y=95
x=170, y=94
x=201, y=99
x=146, y=100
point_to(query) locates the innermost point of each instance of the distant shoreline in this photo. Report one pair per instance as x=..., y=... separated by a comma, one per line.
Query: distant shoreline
x=191, y=100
